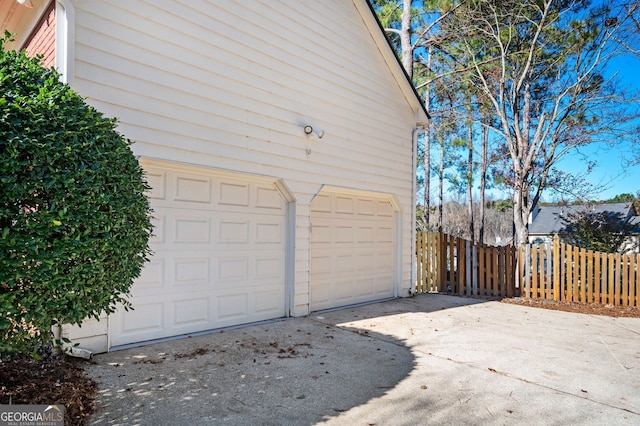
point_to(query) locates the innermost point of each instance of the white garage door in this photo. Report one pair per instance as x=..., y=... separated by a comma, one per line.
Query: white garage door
x=219, y=255
x=352, y=249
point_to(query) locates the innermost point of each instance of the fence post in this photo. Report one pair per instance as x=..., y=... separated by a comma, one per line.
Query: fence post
x=461, y=263
x=418, y=262
x=556, y=267
x=526, y=270
x=475, y=269
x=635, y=279
x=468, y=270
x=500, y=279
x=618, y=279
x=625, y=281
x=511, y=271
x=442, y=283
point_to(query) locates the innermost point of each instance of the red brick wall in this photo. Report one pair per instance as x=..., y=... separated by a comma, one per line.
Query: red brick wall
x=42, y=40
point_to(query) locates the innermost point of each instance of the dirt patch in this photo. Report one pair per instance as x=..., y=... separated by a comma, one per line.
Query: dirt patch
x=581, y=308
x=57, y=380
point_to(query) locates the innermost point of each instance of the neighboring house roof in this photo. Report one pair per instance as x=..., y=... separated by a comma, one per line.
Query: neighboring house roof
x=548, y=219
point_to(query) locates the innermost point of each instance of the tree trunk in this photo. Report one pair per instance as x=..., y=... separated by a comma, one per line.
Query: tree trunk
x=483, y=182
x=470, y=229
x=427, y=175
x=521, y=211
x=427, y=152
x=405, y=39
x=441, y=187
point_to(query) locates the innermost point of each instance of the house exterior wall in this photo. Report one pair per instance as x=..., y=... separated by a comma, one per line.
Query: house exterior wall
x=231, y=86
x=42, y=40
x=631, y=245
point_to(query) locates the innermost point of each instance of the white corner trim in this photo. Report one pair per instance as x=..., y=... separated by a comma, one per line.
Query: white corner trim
x=65, y=39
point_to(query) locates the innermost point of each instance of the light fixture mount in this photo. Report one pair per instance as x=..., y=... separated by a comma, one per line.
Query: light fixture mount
x=308, y=130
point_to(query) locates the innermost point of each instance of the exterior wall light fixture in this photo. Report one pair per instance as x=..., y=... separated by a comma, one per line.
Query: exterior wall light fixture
x=308, y=130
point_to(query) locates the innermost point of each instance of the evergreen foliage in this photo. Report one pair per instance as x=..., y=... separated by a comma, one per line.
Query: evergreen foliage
x=74, y=219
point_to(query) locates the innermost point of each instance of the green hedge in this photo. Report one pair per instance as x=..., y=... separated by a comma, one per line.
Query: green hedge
x=74, y=219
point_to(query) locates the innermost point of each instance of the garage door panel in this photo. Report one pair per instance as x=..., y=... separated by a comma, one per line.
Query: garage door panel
x=269, y=268
x=234, y=231
x=384, y=260
x=365, y=207
x=385, y=209
x=343, y=234
x=192, y=189
x=147, y=317
x=321, y=292
x=233, y=194
x=352, y=250
x=381, y=286
x=191, y=312
x=157, y=183
x=366, y=234
x=232, y=306
x=268, y=233
x=321, y=265
x=343, y=291
x=191, y=272
x=384, y=235
x=344, y=263
x=191, y=229
x=321, y=233
x=231, y=269
x=158, y=223
x=152, y=276
x=268, y=302
x=218, y=256
x=268, y=198
x=365, y=262
x=343, y=205
x=365, y=288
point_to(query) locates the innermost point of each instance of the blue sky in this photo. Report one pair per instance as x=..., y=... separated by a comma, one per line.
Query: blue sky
x=611, y=172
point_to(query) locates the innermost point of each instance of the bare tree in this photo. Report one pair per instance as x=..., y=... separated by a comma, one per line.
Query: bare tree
x=541, y=67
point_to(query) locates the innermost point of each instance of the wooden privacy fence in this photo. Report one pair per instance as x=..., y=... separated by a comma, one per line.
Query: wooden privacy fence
x=453, y=265
x=559, y=271
x=556, y=271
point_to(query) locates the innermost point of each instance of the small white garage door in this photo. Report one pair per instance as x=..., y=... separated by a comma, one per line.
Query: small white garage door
x=219, y=255
x=352, y=249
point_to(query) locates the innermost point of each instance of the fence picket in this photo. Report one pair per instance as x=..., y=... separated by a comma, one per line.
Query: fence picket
x=625, y=283
x=597, y=281
x=634, y=285
x=535, y=263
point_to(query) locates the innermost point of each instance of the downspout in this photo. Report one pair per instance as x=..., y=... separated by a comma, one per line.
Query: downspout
x=414, y=205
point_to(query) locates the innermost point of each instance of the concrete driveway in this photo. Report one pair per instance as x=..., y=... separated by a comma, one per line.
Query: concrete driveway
x=430, y=359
